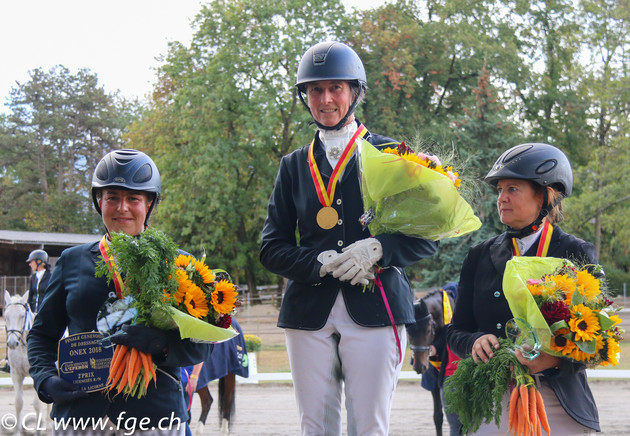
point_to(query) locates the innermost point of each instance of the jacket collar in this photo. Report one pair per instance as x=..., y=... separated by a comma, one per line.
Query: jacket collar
x=501, y=248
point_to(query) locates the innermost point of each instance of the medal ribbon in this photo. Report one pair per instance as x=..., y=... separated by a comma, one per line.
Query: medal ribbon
x=326, y=195
x=106, y=252
x=543, y=243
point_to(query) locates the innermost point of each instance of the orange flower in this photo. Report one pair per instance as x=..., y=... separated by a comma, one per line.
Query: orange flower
x=583, y=323
x=588, y=285
x=224, y=297
x=204, y=272
x=195, y=301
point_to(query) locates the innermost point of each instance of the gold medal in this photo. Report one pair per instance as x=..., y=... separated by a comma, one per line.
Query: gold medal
x=327, y=217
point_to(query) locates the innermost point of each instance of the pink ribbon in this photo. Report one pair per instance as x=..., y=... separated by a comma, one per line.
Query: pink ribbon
x=377, y=281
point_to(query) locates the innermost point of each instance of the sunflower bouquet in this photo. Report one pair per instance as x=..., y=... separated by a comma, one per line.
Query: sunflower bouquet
x=567, y=306
x=164, y=289
x=203, y=296
x=413, y=194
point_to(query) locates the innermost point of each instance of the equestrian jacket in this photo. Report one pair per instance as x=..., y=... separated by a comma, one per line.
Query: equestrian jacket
x=36, y=290
x=73, y=300
x=292, y=240
x=482, y=308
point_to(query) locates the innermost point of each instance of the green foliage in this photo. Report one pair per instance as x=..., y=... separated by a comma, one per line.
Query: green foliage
x=146, y=262
x=476, y=77
x=475, y=390
x=58, y=127
x=225, y=113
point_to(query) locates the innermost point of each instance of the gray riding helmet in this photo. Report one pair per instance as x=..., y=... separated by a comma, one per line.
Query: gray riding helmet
x=38, y=255
x=127, y=169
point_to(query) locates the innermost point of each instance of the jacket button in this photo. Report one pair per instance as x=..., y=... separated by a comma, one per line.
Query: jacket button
x=340, y=222
x=339, y=201
x=340, y=243
x=497, y=294
x=499, y=325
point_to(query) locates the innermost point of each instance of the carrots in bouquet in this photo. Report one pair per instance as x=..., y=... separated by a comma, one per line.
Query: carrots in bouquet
x=130, y=372
x=527, y=411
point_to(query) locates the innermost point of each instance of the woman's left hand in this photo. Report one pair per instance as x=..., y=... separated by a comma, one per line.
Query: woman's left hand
x=540, y=363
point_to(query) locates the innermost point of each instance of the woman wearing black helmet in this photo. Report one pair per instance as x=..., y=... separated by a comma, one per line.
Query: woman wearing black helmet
x=125, y=189
x=336, y=333
x=531, y=179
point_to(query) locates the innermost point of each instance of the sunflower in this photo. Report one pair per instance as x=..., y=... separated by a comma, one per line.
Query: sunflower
x=182, y=261
x=535, y=287
x=588, y=285
x=184, y=283
x=616, y=319
x=563, y=285
x=561, y=344
x=224, y=296
x=610, y=353
x=204, y=272
x=579, y=355
x=584, y=323
x=195, y=301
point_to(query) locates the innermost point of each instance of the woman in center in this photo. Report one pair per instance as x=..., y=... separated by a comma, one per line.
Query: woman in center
x=340, y=333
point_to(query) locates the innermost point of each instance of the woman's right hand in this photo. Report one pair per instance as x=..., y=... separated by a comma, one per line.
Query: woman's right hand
x=483, y=348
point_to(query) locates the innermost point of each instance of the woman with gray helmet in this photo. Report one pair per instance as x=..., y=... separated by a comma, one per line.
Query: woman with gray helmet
x=38, y=261
x=338, y=333
x=125, y=189
x=531, y=179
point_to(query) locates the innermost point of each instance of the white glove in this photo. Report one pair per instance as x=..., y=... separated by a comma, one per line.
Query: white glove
x=325, y=258
x=355, y=263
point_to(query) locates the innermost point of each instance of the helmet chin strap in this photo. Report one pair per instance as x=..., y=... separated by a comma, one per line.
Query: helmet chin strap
x=534, y=226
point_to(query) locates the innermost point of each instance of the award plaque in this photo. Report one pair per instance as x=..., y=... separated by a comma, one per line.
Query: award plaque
x=84, y=361
x=327, y=217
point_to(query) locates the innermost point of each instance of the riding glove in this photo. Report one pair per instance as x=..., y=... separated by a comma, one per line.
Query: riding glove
x=355, y=263
x=325, y=258
x=60, y=391
x=146, y=339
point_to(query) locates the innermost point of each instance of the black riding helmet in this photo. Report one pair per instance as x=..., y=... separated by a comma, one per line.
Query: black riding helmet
x=127, y=169
x=331, y=61
x=539, y=163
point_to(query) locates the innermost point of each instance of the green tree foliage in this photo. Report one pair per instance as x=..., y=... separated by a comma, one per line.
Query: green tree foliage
x=551, y=106
x=224, y=113
x=423, y=60
x=600, y=210
x=479, y=136
x=59, y=125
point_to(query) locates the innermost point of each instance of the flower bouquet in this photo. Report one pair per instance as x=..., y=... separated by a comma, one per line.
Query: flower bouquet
x=412, y=193
x=566, y=306
x=560, y=307
x=164, y=289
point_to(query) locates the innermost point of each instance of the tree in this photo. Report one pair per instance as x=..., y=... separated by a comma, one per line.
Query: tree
x=60, y=124
x=602, y=205
x=223, y=114
x=550, y=102
x=424, y=59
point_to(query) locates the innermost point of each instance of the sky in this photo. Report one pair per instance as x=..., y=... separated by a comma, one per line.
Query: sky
x=118, y=40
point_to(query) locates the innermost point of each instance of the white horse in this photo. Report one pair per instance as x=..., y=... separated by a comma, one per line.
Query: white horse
x=18, y=320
